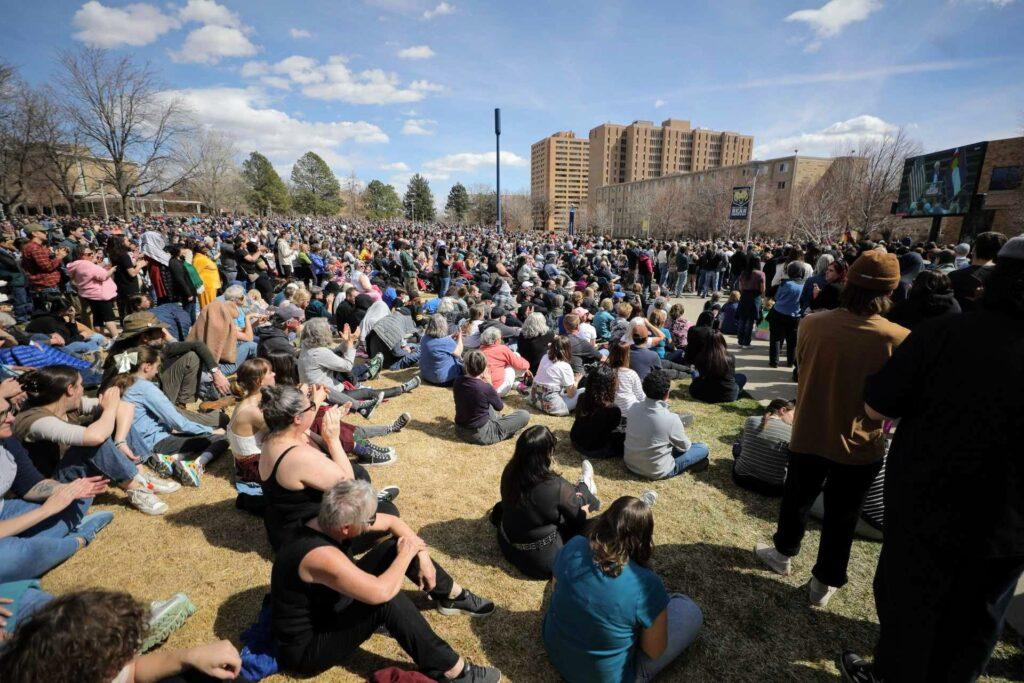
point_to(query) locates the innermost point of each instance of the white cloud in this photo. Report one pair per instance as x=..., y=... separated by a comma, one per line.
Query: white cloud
x=299, y=33
x=244, y=114
x=658, y=104
x=467, y=162
x=107, y=27
x=208, y=44
x=832, y=17
x=334, y=80
x=418, y=127
x=991, y=3
x=416, y=52
x=442, y=9
x=396, y=166
x=208, y=12
x=838, y=138
x=277, y=82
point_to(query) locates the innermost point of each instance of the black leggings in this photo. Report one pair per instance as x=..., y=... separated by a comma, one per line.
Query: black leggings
x=181, y=443
x=354, y=624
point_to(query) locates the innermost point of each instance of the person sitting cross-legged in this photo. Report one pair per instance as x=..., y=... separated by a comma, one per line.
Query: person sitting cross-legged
x=325, y=604
x=656, y=444
x=477, y=406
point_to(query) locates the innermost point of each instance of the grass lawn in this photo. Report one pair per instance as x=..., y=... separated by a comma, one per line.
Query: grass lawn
x=757, y=625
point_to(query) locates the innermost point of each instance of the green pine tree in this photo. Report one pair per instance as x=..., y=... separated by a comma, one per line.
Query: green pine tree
x=381, y=201
x=419, y=200
x=458, y=203
x=483, y=209
x=315, y=189
x=266, y=191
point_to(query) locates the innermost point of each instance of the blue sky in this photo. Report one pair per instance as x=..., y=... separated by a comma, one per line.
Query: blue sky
x=391, y=87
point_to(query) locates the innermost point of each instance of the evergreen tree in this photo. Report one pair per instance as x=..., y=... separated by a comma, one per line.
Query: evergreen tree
x=483, y=209
x=458, y=203
x=381, y=201
x=266, y=191
x=419, y=200
x=315, y=189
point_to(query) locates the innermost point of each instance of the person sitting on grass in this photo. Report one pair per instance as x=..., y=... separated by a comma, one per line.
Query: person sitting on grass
x=534, y=339
x=610, y=618
x=555, y=388
x=503, y=363
x=656, y=445
x=762, y=453
x=42, y=521
x=716, y=379
x=246, y=431
x=539, y=510
x=326, y=604
x=99, y=635
x=629, y=389
x=295, y=469
x=63, y=449
x=597, y=430
x=478, y=405
x=440, y=353
x=165, y=432
x=319, y=364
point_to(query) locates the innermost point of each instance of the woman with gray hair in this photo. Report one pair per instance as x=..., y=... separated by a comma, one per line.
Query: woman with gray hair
x=503, y=363
x=440, y=353
x=325, y=604
x=292, y=468
x=534, y=339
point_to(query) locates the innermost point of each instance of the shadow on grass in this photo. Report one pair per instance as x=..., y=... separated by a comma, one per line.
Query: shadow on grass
x=755, y=624
x=439, y=428
x=512, y=642
x=719, y=475
x=470, y=539
x=225, y=526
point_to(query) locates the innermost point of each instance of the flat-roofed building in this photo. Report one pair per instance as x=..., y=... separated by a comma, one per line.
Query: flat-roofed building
x=558, y=179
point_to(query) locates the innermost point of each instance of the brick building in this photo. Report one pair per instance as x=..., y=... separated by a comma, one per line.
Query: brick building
x=558, y=179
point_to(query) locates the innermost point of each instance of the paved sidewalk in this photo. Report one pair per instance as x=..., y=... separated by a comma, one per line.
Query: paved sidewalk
x=763, y=383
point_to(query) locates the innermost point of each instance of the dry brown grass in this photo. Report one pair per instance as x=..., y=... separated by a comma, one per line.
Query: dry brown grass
x=757, y=625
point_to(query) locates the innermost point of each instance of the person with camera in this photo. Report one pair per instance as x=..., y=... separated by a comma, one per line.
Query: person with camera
x=41, y=265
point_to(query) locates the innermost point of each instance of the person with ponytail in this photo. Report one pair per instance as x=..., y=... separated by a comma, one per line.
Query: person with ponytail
x=246, y=431
x=61, y=448
x=610, y=618
x=762, y=453
x=167, y=434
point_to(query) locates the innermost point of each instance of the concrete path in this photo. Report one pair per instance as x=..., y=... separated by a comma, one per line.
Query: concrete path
x=763, y=383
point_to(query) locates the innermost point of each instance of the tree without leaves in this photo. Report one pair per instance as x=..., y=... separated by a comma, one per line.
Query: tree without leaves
x=266, y=191
x=315, y=189
x=381, y=201
x=457, y=205
x=61, y=150
x=352, y=198
x=419, y=200
x=217, y=179
x=21, y=111
x=119, y=108
x=483, y=209
x=515, y=211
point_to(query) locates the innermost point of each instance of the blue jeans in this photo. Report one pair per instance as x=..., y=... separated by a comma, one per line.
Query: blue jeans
x=27, y=597
x=21, y=303
x=684, y=621
x=680, y=282
x=705, y=281
x=443, y=284
x=407, y=361
x=105, y=460
x=691, y=456
x=94, y=343
x=36, y=551
x=245, y=351
x=741, y=380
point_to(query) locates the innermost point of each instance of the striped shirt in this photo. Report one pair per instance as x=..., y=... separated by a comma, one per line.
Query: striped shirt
x=764, y=454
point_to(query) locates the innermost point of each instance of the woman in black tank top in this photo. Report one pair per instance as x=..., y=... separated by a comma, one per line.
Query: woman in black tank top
x=300, y=472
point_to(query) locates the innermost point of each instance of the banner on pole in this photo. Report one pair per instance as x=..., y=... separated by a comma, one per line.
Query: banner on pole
x=740, y=208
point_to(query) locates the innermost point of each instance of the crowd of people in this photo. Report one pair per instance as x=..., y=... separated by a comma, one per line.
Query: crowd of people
x=134, y=353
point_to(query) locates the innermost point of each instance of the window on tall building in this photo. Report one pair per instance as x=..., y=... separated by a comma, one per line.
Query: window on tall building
x=782, y=184
x=783, y=167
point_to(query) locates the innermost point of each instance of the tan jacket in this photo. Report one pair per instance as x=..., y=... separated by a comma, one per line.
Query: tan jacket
x=216, y=328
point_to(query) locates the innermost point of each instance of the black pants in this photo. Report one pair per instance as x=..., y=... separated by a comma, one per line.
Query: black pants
x=355, y=623
x=845, y=487
x=940, y=609
x=193, y=445
x=781, y=328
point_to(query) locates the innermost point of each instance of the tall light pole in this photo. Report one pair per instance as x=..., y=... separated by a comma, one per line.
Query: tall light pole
x=497, y=161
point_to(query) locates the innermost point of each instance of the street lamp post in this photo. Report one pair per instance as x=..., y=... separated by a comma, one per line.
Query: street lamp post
x=497, y=161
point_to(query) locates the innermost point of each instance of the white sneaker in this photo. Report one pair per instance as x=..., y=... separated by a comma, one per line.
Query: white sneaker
x=649, y=497
x=820, y=593
x=3, y=283
x=587, y=477
x=146, y=502
x=155, y=484
x=773, y=559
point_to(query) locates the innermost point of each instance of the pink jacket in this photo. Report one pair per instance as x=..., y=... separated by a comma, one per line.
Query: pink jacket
x=92, y=281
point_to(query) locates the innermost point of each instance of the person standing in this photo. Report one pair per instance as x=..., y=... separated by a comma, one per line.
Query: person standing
x=954, y=487
x=41, y=266
x=836, y=446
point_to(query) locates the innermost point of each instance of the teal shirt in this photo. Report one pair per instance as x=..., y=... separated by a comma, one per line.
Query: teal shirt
x=592, y=628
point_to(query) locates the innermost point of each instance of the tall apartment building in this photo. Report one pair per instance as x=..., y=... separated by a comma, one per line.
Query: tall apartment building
x=559, y=166
x=641, y=150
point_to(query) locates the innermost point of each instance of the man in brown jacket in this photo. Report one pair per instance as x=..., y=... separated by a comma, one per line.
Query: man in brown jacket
x=835, y=446
x=216, y=327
